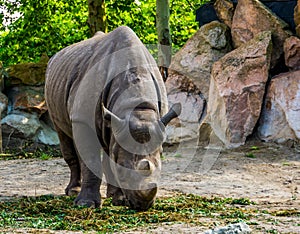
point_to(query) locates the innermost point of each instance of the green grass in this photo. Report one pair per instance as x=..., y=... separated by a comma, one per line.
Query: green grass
x=58, y=213
x=250, y=155
x=45, y=153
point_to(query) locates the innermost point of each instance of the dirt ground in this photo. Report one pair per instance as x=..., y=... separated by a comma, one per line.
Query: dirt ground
x=268, y=174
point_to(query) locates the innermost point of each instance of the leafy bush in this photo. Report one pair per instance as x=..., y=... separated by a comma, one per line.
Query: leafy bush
x=48, y=26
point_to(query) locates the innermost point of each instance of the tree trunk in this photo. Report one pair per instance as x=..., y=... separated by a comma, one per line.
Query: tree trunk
x=97, y=16
x=164, y=36
x=1, y=89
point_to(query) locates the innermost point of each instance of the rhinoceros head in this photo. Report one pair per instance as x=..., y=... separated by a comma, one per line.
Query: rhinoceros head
x=135, y=152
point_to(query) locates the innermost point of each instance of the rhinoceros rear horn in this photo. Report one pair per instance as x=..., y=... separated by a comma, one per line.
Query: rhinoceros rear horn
x=174, y=112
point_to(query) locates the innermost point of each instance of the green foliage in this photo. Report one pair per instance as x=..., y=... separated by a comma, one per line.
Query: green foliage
x=46, y=26
x=182, y=20
x=58, y=213
x=140, y=16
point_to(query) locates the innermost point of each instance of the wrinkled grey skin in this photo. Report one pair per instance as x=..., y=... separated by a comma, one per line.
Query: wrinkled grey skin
x=131, y=176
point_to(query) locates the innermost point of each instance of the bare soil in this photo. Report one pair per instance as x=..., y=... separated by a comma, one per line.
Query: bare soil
x=268, y=174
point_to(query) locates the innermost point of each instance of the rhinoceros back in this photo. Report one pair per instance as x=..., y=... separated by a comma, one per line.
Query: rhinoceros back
x=70, y=66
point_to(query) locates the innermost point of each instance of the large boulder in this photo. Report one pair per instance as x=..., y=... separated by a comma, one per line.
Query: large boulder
x=280, y=120
x=3, y=73
x=27, y=98
x=21, y=125
x=47, y=135
x=185, y=127
x=189, y=78
x=196, y=57
x=182, y=89
x=28, y=126
x=28, y=73
x=252, y=17
x=237, y=89
x=225, y=10
x=292, y=53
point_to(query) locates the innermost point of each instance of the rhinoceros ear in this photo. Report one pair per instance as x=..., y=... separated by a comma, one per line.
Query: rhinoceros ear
x=174, y=112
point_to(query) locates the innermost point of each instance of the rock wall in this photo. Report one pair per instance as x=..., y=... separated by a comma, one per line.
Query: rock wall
x=235, y=77
x=24, y=116
x=254, y=88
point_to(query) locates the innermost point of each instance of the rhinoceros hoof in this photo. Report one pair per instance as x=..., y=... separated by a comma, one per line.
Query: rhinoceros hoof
x=72, y=191
x=92, y=201
x=87, y=203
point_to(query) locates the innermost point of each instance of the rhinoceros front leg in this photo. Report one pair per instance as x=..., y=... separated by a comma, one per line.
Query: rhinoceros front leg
x=90, y=188
x=71, y=158
x=116, y=193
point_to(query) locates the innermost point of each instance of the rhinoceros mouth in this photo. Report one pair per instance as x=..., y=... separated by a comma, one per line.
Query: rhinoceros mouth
x=142, y=199
x=144, y=106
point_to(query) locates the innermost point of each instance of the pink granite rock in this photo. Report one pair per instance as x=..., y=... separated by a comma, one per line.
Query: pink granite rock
x=292, y=53
x=196, y=57
x=280, y=120
x=225, y=11
x=27, y=98
x=252, y=17
x=237, y=88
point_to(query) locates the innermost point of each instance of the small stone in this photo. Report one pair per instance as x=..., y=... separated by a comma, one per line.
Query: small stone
x=237, y=228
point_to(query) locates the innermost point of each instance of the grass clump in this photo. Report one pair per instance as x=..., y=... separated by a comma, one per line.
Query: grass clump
x=58, y=213
x=30, y=152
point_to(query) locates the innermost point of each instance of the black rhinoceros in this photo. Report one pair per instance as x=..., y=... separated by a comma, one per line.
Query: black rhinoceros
x=105, y=94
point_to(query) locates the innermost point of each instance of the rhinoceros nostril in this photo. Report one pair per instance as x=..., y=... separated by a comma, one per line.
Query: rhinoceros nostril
x=145, y=167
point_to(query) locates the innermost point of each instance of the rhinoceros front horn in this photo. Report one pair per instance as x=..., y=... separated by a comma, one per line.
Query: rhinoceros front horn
x=111, y=117
x=174, y=112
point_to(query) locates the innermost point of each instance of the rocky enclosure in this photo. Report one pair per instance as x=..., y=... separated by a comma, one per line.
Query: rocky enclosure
x=235, y=78
x=241, y=77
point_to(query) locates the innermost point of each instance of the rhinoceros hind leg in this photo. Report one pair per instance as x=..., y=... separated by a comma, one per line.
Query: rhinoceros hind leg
x=70, y=156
